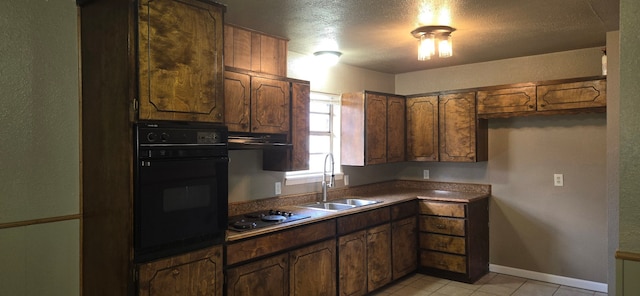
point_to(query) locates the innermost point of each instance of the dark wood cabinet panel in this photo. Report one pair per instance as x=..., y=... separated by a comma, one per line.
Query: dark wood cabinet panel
x=268, y=276
x=422, y=128
x=313, y=270
x=359, y=221
x=196, y=273
x=457, y=121
x=395, y=129
x=376, y=129
x=443, y=261
x=572, y=95
x=443, y=243
x=379, y=257
x=255, y=51
x=505, y=100
x=352, y=264
x=270, y=105
x=237, y=99
x=180, y=62
x=404, y=246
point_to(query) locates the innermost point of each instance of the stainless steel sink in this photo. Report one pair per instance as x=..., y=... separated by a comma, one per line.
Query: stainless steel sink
x=328, y=206
x=356, y=202
x=340, y=204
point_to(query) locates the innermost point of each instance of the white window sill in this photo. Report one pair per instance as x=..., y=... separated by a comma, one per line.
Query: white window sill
x=308, y=178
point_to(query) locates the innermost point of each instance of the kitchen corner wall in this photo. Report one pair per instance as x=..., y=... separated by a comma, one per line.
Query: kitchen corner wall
x=534, y=225
x=39, y=150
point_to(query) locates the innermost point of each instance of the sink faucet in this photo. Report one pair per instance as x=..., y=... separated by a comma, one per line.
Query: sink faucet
x=324, y=177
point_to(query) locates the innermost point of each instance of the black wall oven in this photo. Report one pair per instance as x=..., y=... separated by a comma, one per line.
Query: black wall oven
x=181, y=184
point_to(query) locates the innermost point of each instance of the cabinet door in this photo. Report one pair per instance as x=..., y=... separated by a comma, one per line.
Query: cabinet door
x=237, y=93
x=575, y=95
x=265, y=277
x=352, y=264
x=196, y=273
x=180, y=62
x=422, y=128
x=378, y=256
x=404, y=247
x=395, y=129
x=507, y=100
x=270, y=101
x=375, y=129
x=300, y=93
x=313, y=270
x=457, y=120
x=254, y=51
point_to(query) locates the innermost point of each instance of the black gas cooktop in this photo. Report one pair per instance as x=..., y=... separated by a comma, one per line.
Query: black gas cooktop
x=262, y=219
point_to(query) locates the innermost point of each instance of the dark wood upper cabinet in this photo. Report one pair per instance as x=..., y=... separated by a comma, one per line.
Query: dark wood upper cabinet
x=180, y=60
x=572, y=95
x=567, y=96
x=507, y=100
x=254, y=51
x=458, y=129
x=422, y=128
x=372, y=128
x=237, y=101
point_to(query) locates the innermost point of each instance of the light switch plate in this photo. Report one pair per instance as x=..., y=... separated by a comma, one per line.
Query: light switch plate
x=346, y=180
x=425, y=174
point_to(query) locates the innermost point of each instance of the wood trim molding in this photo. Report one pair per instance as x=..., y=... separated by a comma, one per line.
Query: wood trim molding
x=39, y=221
x=631, y=256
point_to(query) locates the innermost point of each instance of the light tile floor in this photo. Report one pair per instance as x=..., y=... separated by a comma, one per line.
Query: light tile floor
x=493, y=284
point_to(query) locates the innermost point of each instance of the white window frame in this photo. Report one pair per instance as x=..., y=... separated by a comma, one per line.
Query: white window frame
x=304, y=177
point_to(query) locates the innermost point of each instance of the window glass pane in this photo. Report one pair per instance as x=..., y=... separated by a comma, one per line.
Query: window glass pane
x=319, y=122
x=320, y=144
x=316, y=161
x=320, y=107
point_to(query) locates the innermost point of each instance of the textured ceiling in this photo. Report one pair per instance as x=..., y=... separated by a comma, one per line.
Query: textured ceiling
x=375, y=34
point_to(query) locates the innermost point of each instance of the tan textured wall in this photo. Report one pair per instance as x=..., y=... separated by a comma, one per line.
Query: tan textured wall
x=39, y=150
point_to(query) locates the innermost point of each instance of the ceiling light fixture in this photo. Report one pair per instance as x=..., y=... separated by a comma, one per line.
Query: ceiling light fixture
x=328, y=57
x=432, y=39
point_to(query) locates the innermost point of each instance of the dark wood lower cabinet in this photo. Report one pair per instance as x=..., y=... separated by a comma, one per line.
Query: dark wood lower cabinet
x=305, y=271
x=264, y=277
x=378, y=256
x=353, y=264
x=404, y=246
x=197, y=273
x=312, y=270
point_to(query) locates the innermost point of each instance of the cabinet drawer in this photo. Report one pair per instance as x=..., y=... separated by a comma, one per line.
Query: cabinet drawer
x=455, y=263
x=452, y=226
x=444, y=243
x=442, y=209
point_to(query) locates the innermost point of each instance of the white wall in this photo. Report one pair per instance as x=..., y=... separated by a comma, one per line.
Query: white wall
x=39, y=150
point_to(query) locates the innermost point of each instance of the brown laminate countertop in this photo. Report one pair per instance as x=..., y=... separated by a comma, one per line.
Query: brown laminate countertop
x=387, y=198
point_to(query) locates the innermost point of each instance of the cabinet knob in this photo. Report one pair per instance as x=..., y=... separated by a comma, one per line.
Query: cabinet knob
x=542, y=105
x=531, y=106
x=175, y=272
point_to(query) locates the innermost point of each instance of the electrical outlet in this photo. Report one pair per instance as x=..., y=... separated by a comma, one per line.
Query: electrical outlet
x=346, y=180
x=425, y=174
x=558, y=180
x=278, y=188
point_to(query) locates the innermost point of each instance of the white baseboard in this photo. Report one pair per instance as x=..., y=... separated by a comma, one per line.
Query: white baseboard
x=550, y=278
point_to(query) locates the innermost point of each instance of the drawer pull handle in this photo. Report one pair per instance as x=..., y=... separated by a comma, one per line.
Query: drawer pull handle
x=442, y=263
x=441, y=226
x=442, y=245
